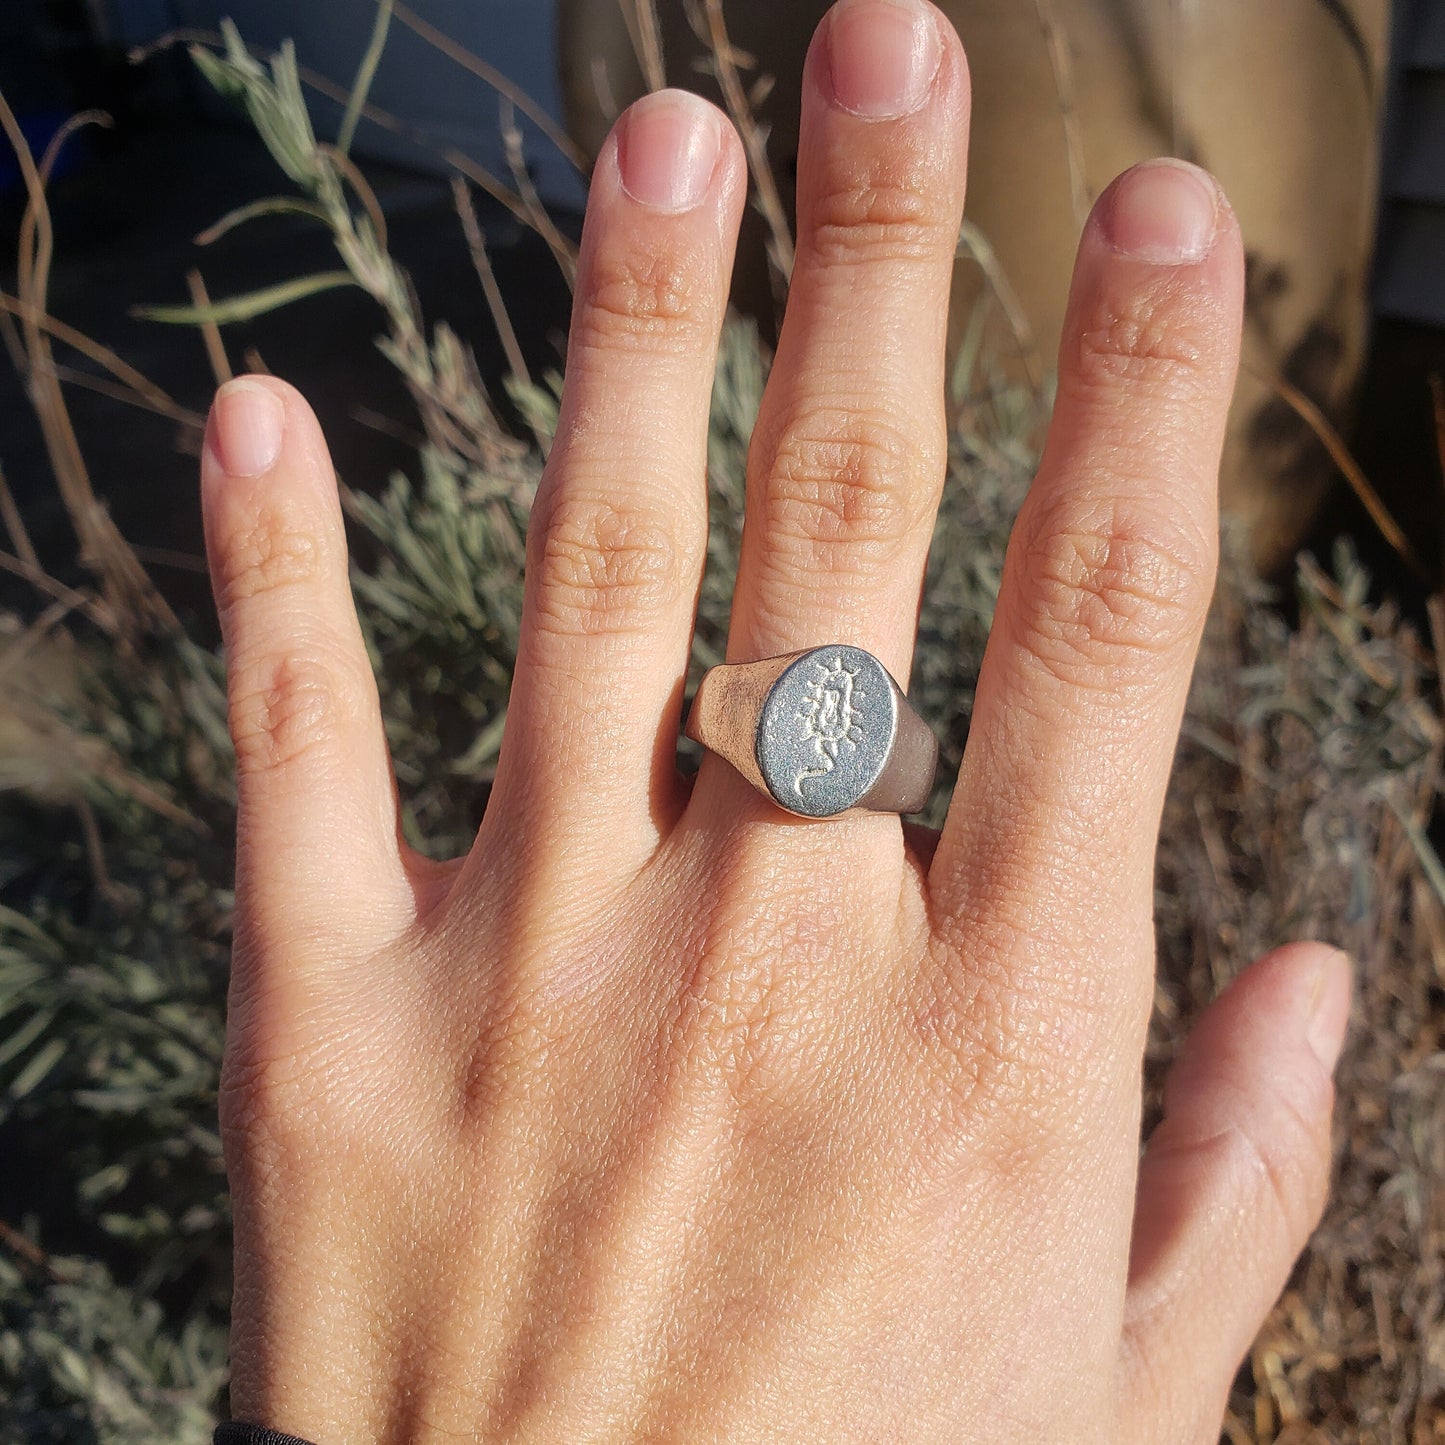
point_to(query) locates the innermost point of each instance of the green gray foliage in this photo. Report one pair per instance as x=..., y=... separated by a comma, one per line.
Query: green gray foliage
x=85, y=1360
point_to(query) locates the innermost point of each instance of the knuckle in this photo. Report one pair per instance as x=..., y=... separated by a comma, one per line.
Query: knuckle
x=261, y=1122
x=603, y=570
x=877, y=220
x=288, y=708
x=732, y=1010
x=274, y=549
x=1003, y=1012
x=842, y=480
x=1289, y=1163
x=1106, y=582
x=646, y=297
x=277, y=1122
x=1151, y=338
x=994, y=1066
x=745, y=1017
x=274, y=1110
x=306, y=1062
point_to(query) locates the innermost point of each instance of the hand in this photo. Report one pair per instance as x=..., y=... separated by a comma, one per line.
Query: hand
x=662, y=1115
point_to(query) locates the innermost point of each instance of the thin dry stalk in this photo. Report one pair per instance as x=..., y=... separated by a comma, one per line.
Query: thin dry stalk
x=973, y=244
x=484, y=180
x=563, y=252
x=458, y=160
x=388, y=427
x=602, y=88
x=87, y=755
x=210, y=332
x=27, y=1249
x=15, y=524
x=57, y=142
x=143, y=391
x=361, y=188
x=10, y=336
x=641, y=17
x=192, y=422
x=1060, y=63
x=712, y=30
x=169, y=557
x=477, y=245
x=33, y=573
x=1342, y=457
x=493, y=77
x=95, y=852
x=266, y=206
x=124, y=580
x=181, y=35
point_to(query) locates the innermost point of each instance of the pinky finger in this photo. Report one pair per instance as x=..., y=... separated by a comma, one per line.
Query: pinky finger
x=1230, y=1188
x=318, y=856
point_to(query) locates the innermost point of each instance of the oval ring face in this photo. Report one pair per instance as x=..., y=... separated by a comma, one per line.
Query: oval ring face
x=826, y=731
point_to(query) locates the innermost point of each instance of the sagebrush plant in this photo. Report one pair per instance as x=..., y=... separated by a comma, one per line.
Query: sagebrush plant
x=1306, y=782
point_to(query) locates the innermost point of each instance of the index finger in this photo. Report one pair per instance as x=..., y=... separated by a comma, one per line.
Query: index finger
x=1049, y=843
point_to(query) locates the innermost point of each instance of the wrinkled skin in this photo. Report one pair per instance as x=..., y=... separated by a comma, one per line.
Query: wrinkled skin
x=662, y=1115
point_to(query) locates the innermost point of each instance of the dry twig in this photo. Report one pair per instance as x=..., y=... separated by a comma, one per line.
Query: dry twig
x=15, y=524
x=361, y=188
x=1057, y=45
x=124, y=580
x=973, y=244
x=493, y=77
x=641, y=17
x=210, y=332
x=477, y=246
x=1344, y=459
x=134, y=386
x=32, y=572
x=563, y=252
x=712, y=30
x=21, y=1245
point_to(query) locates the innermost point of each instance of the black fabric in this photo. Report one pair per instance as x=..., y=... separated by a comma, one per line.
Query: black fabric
x=233, y=1433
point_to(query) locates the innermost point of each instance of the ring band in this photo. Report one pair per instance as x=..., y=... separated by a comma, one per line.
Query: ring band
x=821, y=732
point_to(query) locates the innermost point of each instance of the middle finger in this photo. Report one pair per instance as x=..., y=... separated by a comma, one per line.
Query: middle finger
x=849, y=451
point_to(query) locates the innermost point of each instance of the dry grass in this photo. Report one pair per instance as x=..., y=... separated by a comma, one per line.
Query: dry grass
x=1301, y=806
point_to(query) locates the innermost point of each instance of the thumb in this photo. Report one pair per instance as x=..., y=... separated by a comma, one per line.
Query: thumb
x=1231, y=1186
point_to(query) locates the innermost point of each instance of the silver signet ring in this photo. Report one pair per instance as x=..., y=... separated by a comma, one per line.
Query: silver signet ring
x=822, y=732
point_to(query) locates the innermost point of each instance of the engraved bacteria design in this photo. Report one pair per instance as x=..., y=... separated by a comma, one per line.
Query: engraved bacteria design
x=828, y=716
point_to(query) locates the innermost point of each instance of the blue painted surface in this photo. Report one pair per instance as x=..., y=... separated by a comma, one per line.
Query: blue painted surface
x=1410, y=266
x=38, y=127
x=135, y=21
x=415, y=81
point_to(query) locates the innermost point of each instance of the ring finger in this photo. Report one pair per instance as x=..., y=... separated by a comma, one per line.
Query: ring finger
x=849, y=452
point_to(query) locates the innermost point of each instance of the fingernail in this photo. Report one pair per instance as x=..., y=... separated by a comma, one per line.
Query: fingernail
x=247, y=420
x=882, y=55
x=1164, y=212
x=668, y=149
x=1329, y=1010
